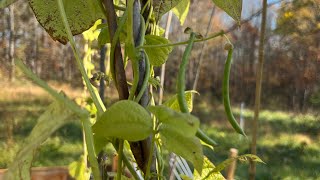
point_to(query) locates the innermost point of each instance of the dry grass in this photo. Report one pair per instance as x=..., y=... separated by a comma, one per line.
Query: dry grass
x=24, y=90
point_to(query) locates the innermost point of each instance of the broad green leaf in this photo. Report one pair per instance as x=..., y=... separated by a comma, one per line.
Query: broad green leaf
x=55, y=116
x=181, y=10
x=5, y=3
x=125, y=120
x=188, y=147
x=232, y=7
x=158, y=55
x=207, y=168
x=183, y=123
x=78, y=170
x=160, y=7
x=174, y=104
x=81, y=14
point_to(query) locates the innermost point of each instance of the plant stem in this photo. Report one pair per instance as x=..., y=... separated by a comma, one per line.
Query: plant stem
x=182, y=42
x=130, y=167
x=90, y=147
x=96, y=99
x=120, y=155
x=135, y=67
x=93, y=92
x=146, y=78
x=150, y=157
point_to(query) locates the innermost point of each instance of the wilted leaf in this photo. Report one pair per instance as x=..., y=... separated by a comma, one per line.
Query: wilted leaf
x=55, y=116
x=174, y=104
x=232, y=7
x=125, y=120
x=81, y=15
x=181, y=10
x=157, y=55
x=183, y=123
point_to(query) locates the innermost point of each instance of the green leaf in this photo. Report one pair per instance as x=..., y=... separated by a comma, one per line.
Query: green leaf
x=174, y=104
x=160, y=7
x=78, y=170
x=81, y=15
x=125, y=120
x=55, y=116
x=181, y=10
x=177, y=132
x=188, y=147
x=183, y=123
x=103, y=37
x=232, y=7
x=158, y=55
x=5, y=3
x=207, y=167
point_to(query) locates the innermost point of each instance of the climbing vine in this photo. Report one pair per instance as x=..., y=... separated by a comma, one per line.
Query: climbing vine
x=134, y=123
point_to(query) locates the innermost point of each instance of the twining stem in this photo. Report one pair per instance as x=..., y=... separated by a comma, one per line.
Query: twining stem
x=93, y=92
x=135, y=67
x=146, y=78
x=115, y=39
x=120, y=158
x=135, y=64
x=183, y=42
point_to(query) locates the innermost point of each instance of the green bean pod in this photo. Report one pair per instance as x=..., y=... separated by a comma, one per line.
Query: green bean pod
x=225, y=94
x=181, y=89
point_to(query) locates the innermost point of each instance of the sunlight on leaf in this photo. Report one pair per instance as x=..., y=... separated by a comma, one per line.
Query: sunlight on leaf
x=183, y=123
x=78, y=170
x=81, y=14
x=125, y=120
x=157, y=56
x=174, y=104
x=232, y=7
x=181, y=10
x=160, y=7
x=207, y=167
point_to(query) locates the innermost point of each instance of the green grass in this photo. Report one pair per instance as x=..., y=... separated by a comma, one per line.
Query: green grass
x=288, y=143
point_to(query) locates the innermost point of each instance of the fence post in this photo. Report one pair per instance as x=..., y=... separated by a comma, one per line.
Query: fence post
x=232, y=168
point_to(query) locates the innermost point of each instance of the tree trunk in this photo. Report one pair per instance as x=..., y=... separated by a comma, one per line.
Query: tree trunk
x=11, y=42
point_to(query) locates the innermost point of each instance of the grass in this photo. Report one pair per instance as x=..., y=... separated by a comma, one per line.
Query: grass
x=289, y=143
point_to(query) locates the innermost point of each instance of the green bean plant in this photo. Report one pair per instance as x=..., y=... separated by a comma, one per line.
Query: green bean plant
x=138, y=129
